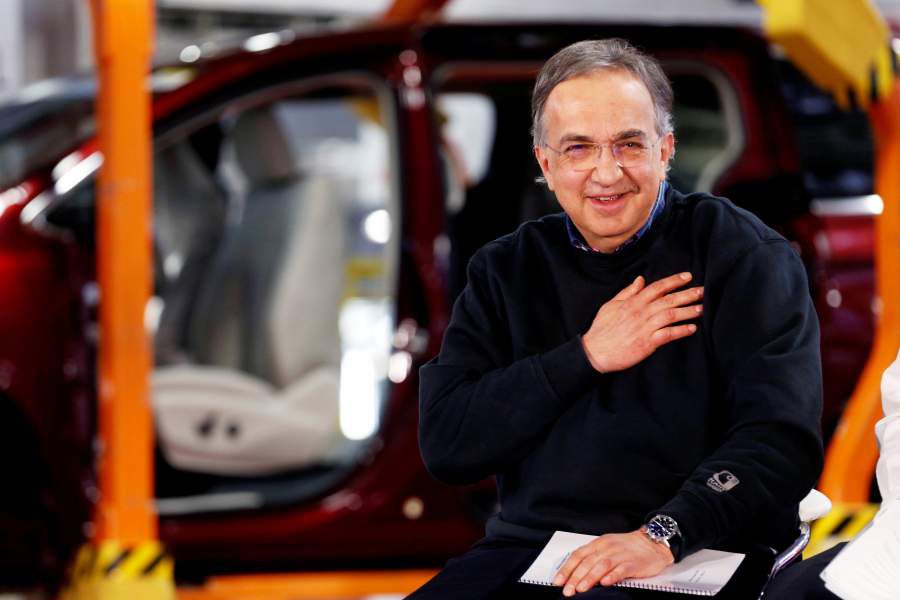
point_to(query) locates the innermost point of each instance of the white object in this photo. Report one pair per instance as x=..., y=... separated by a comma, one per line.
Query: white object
x=887, y=430
x=703, y=573
x=216, y=420
x=869, y=567
x=814, y=506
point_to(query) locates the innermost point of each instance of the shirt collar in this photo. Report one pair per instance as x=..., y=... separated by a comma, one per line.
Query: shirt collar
x=578, y=240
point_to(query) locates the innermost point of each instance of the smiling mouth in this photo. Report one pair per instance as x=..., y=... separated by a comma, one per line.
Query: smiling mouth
x=608, y=198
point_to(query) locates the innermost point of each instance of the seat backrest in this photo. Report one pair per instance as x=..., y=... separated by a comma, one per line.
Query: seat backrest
x=270, y=305
x=189, y=217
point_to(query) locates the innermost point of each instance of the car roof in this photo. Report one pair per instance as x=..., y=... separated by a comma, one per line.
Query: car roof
x=49, y=119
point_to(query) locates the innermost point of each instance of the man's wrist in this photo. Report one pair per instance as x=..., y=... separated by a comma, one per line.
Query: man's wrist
x=663, y=549
x=595, y=362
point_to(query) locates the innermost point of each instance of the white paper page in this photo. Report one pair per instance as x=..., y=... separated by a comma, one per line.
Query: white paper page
x=704, y=571
x=553, y=556
x=869, y=567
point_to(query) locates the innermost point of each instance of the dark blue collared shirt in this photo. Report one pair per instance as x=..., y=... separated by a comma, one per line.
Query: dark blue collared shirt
x=578, y=240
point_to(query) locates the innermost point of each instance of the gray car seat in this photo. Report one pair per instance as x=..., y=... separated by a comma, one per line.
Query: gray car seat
x=189, y=217
x=261, y=394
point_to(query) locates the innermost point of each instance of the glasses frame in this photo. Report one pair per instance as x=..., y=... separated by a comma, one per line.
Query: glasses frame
x=610, y=145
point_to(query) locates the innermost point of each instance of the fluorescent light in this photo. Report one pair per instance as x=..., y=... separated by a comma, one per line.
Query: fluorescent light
x=78, y=173
x=261, y=42
x=11, y=197
x=358, y=395
x=172, y=265
x=399, y=365
x=152, y=313
x=190, y=53
x=854, y=206
x=377, y=226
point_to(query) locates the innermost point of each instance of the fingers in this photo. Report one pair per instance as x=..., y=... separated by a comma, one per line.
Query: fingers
x=614, y=576
x=630, y=290
x=596, y=569
x=562, y=575
x=675, y=315
x=586, y=575
x=661, y=287
x=670, y=334
x=688, y=296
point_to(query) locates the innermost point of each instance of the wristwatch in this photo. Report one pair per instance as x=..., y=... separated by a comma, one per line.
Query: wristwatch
x=663, y=529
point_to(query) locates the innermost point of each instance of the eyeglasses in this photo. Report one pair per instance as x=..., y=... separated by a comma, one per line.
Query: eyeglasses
x=583, y=156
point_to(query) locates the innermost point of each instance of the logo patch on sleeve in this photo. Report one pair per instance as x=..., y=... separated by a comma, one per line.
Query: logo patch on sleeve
x=723, y=481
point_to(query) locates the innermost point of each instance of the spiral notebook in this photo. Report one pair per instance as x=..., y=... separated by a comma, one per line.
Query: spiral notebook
x=702, y=573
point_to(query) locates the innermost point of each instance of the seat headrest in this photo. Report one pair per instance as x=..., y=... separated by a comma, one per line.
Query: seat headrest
x=261, y=148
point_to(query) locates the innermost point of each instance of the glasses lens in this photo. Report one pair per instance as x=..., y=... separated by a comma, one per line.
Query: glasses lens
x=580, y=156
x=631, y=153
x=627, y=153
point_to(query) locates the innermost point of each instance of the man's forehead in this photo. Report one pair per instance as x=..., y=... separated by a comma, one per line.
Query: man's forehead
x=625, y=134
x=604, y=104
x=613, y=77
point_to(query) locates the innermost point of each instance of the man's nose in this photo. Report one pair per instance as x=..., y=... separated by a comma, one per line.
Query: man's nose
x=606, y=167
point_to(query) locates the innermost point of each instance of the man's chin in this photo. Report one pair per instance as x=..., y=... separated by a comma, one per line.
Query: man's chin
x=608, y=242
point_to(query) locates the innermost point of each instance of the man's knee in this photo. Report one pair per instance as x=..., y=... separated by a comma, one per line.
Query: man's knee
x=479, y=573
x=802, y=581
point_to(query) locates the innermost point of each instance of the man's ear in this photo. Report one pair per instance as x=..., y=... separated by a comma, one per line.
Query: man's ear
x=667, y=149
x=545, y=165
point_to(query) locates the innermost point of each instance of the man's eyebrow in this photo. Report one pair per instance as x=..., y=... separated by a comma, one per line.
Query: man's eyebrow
x=575, y=137
x=629, y=133
x=622, y=135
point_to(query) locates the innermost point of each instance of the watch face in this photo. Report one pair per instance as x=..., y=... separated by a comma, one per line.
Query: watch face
x=662, y=527
x=655, y=530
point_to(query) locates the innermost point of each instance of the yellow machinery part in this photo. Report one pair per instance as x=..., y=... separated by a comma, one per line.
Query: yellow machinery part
x=841, y=46
x=113, y=571
x=845, y=46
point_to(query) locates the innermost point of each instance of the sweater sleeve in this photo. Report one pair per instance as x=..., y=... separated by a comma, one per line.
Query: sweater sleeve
x=765, y=337
x=479, y=410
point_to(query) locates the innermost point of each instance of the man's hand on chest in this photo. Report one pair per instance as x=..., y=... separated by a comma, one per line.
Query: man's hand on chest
x=640, y=319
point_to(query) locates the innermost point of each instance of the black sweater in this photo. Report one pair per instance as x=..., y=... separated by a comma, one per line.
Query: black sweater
x=512, y=393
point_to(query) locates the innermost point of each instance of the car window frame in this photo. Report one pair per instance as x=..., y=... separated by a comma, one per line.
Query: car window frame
x=736, y=137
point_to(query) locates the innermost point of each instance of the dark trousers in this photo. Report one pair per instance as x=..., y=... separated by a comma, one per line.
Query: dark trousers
x=801, y=580
x=491, y=572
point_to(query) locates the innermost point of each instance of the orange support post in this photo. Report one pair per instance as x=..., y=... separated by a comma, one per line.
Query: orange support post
x=845, y=46
x=852, y=454
x=124, y=560
x=410, y=11
x=333, y=585
x=123, y=38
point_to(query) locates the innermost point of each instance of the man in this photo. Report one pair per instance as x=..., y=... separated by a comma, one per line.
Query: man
x=643, y=367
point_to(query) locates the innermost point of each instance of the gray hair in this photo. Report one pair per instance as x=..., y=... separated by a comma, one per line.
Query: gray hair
x=584, y=58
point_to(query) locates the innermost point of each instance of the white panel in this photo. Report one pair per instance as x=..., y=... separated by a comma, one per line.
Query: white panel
x=613, y=11
x=11, y=49
x=291, y=7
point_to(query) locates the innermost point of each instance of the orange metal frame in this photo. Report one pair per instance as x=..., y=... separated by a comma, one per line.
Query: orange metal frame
x=123, y=33
x=321, y=586
x=852, y=455
x=410, y=11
